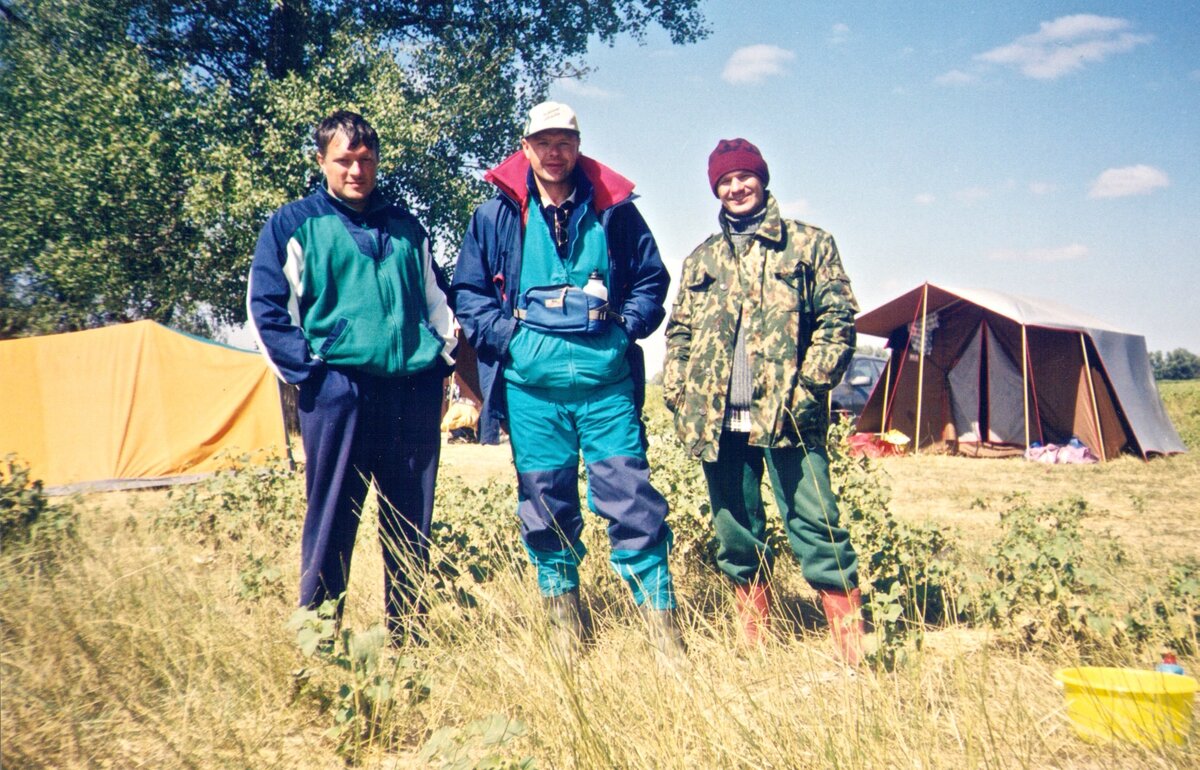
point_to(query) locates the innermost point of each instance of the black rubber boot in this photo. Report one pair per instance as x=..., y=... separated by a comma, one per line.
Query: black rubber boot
x=665, y=634
x=566, y=623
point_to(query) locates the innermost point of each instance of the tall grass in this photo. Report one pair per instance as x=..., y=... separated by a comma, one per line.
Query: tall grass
x=143, y=643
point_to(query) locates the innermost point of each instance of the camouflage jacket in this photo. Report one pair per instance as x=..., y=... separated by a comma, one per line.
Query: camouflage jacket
x=799, y=315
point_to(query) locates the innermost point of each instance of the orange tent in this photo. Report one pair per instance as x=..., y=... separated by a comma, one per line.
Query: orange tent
x=132, y=404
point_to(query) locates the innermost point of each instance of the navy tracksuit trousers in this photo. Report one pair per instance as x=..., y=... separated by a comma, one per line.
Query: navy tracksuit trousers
x=357, y=427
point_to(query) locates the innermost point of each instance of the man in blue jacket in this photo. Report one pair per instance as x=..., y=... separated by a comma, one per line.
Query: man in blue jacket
x=345, y=303
x=565, y=382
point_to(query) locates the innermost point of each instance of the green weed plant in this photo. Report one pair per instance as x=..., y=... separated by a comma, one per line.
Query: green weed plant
x=365, y=686
x=1049, y=583
x=476, y=746
x=474, y=536
x=905, y=569
x=251, y=494
x=28, y=519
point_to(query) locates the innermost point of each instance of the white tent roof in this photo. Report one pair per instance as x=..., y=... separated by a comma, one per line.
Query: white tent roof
x=1032, y=311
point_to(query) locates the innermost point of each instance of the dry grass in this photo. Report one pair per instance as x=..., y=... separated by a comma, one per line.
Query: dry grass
x=134, y=651
x=1148, y=507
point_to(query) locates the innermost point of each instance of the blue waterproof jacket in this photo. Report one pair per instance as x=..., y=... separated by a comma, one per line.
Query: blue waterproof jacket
x=487, y=276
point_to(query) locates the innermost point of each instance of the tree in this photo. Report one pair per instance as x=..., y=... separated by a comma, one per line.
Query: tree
x=92, y=230
x=1179, y=364
x=227, y=92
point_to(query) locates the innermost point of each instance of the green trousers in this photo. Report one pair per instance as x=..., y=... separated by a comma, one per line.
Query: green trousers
x=800, y=480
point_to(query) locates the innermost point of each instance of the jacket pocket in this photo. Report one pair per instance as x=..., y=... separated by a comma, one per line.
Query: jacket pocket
x=803, y=410
x=702, y=285
x=790, y=289
x=335, y=336
x=428, y=349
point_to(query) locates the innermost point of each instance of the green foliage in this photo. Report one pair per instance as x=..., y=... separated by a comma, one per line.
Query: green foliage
x=1182, y=402
x=533, y=40
x=370, y=686
x=474, y=746
x=679, y=477
x=474, y=536
x=1169, y=618
x=258, y=578
x=92, y=231
x=27, y=517
x=1047, y=581
x=1036, y=583
x=150, y=140
x=903, y=567
x=261, y=495
x=1179, y=364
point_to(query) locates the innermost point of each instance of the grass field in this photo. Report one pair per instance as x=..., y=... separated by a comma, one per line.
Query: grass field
x=157, y=637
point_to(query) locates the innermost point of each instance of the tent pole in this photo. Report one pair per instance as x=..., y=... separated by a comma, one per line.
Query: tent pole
x=1025, y=379
x=921, y=367
x=1087, y=367
x=887, y=384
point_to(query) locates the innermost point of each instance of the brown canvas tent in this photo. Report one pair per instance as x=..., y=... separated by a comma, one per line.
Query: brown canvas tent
x=982, y=373
x=132, y=404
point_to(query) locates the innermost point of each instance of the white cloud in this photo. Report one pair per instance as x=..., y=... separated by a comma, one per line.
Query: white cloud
x=1130, y=180
x=924, y=199
x=578, y=88
x=800, y=208
x=839, y=34
x=954, y=78
x=755, y=63
x=972, y=194
x=1041, y=188
x=1065, y=45
x=1059, y=254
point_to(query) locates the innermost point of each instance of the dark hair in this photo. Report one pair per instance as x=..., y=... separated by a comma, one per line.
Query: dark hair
x=354, y=126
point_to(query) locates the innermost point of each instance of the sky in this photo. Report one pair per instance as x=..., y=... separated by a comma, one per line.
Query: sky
x=1044, y=149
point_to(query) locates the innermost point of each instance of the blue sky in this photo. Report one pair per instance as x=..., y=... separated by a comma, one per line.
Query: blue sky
x=1045, y=149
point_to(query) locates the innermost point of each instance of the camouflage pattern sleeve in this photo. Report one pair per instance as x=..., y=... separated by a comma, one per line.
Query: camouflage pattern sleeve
x=679, y=345
x=833, y=337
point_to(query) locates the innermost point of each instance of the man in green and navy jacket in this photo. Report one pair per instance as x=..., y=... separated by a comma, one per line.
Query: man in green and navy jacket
x=557, y=218
x=344, y=299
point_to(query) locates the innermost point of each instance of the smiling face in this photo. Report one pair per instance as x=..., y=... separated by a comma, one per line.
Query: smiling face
x=552, y=155
x=349, y=171
x=741, y=193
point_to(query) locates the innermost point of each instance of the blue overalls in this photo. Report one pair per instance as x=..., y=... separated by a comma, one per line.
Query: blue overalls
x=570, y=394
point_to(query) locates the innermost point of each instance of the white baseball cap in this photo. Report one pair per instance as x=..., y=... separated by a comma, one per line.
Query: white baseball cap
x=551, y=115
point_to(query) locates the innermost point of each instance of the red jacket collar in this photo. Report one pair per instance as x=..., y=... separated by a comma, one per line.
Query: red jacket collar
x=609, y=187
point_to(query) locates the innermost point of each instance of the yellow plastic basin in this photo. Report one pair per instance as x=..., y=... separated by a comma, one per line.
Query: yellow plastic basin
x=1145, y=707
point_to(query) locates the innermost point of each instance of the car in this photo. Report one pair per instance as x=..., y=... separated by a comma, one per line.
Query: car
x=851, y=394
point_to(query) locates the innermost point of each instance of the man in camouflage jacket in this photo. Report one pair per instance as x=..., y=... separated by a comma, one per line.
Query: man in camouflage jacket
x=762, y=329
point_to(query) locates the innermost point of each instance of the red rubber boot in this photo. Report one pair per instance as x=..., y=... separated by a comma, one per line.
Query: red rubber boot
x=843, y=611
x=754, y=608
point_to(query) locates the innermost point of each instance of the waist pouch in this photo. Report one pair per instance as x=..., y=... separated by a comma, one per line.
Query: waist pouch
x=562, y=309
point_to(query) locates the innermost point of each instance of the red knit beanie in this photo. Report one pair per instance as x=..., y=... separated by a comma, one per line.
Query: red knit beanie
x=736, y=155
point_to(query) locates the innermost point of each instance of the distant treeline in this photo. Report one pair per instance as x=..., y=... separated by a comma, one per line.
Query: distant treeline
x=1179, y=364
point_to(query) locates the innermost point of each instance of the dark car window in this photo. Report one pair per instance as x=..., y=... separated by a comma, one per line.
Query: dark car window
x=850, y=396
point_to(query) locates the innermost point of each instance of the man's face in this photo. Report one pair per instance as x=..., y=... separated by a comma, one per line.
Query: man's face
x=349, y=171
x=741, y=193
x=552, y=154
